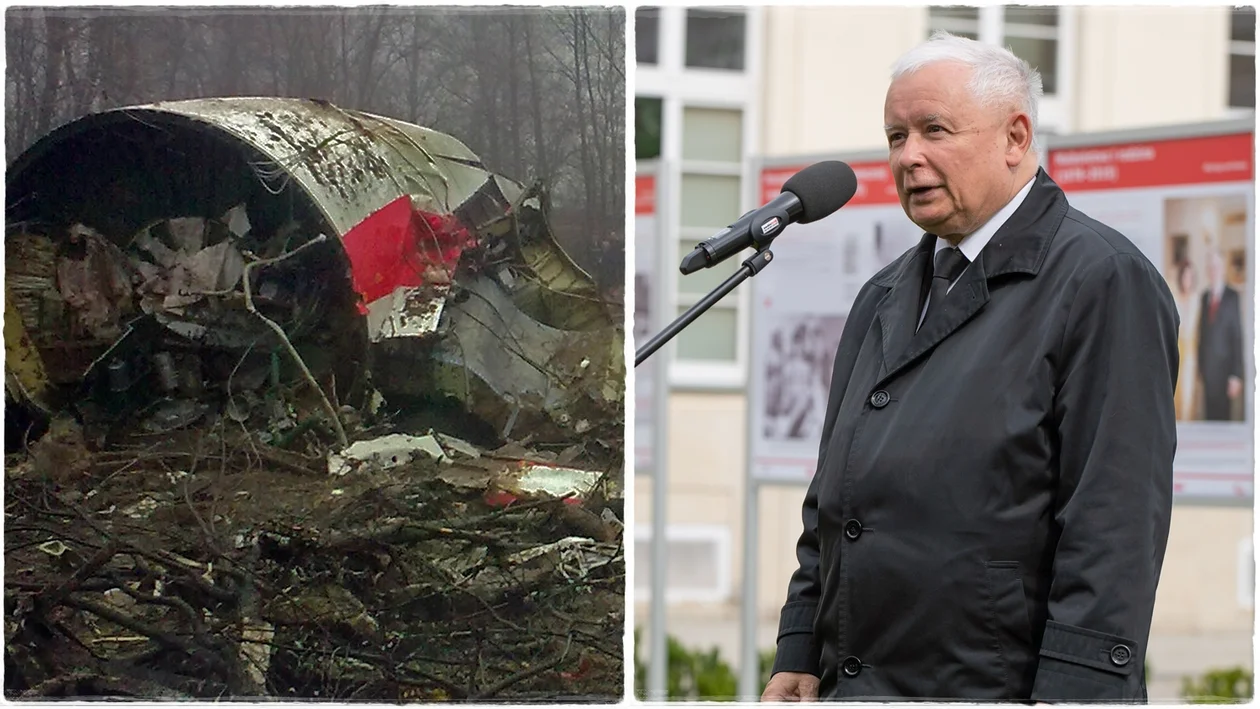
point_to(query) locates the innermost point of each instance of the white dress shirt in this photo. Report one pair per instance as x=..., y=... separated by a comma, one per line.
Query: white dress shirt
x=972, y=244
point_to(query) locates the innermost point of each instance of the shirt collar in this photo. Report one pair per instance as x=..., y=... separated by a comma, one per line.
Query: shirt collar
x=973, y=243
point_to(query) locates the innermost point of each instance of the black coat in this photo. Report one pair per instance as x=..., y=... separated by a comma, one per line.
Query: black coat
x=992, y=500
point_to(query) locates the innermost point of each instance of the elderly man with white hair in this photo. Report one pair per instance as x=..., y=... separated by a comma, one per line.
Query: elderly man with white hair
x=991, y=505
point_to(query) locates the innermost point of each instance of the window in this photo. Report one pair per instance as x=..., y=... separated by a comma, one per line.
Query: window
x=646, y=34
x=695, y=114
x=1030, y=31
x=1242, y=58
x=697, y=563
x=1039, y=34
x=715, y=39
x=709, y=200
x=955, y=19
x=647, y=127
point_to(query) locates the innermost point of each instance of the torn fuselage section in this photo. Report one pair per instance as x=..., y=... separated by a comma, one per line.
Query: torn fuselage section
x=273, y=261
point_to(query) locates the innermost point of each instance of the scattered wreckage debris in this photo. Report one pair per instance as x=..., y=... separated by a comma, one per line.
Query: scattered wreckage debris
x=326, y=412
x=211, y=565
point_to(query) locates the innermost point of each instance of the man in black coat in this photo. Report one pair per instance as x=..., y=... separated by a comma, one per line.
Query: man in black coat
x=991, y=505
x=1220, y=344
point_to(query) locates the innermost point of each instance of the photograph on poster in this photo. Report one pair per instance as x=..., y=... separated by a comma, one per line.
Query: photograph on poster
x=798, y=375
x=1206, y=268
x=893, y=236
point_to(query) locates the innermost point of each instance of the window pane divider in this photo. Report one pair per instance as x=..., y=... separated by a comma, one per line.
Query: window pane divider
x=1247, y=49
x=1010, y=29
x=711, y=167
x=954, y=25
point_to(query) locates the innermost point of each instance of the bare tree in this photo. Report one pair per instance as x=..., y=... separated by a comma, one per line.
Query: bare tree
x=537, y=93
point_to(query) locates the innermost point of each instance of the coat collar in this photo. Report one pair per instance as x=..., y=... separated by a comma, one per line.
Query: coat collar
x=1019, y=246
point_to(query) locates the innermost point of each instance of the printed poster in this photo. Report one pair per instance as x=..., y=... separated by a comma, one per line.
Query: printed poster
x=800, y=304
x=645, y=258
x=1187, y=204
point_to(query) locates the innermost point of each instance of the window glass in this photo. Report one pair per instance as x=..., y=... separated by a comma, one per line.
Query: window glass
x=647, y=128
x=1044, y=15
x=715, y=39
x=708, y=201
x=1242, y=81
x=709, y=337
x=960, y=12
x=712, y=134
x=647, y=21
x=1242, y=24
x=1042, y=54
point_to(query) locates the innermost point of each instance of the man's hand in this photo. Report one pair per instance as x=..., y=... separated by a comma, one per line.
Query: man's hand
x=1235, y=387
x=791, y=687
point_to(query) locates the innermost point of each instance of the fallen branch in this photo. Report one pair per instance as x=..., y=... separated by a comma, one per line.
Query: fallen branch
x=166, y=640
x=284, y=338
x=524, y=674
x=94, y=684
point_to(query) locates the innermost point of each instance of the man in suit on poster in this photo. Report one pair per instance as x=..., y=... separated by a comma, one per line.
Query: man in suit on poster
x=1220, y=352
x=992, y=501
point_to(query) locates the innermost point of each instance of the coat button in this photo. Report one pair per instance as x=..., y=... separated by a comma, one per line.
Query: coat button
x=853, y=529
x=1121, y=655
x=852, y=666
x=880, y=399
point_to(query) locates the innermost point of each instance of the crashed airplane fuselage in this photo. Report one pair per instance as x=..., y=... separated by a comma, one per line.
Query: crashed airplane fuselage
x=181, y=258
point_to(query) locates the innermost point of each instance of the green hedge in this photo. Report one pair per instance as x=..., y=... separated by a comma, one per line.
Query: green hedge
x=702, y=675
x=1220, y=686
x=696, y=674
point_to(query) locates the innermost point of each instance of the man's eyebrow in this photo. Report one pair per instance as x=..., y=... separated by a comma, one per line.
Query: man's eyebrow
x=929, y=118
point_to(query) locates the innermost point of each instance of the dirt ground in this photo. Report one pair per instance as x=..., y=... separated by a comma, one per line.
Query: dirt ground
x=204, y=563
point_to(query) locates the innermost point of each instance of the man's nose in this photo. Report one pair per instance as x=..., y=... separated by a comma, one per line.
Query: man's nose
x=911, y=155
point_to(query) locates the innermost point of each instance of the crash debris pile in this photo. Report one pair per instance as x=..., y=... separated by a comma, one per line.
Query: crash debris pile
x=205, y=563
x=167, y=323
x=338, y=419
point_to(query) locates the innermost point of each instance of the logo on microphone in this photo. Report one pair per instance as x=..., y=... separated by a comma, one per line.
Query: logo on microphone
x=771, y=226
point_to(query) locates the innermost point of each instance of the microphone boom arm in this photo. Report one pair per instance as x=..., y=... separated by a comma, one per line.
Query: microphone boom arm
x=752, y=266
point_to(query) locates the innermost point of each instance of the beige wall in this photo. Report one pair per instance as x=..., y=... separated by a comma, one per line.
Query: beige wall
x=1150, y=66
x=826, y=72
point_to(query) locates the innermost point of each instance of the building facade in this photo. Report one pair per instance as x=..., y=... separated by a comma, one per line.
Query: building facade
x=718, y=88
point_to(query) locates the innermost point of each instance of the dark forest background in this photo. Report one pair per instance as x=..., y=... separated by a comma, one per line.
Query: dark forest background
x=537, y=93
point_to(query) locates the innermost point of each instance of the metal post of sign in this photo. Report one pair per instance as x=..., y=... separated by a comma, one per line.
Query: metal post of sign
x=750, y=660
x=750, y=665
x=657, y=648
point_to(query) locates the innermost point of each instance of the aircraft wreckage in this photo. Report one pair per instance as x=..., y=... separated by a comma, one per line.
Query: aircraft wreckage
x=326, y=412
x=179, y=257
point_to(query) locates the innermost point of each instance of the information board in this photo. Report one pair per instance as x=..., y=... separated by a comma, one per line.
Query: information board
x=1187, y=202
x=645, y=279
x=1184, y=196
x=800, y=303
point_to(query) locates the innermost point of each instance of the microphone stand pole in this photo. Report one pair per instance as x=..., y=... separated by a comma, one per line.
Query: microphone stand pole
x=752, y=266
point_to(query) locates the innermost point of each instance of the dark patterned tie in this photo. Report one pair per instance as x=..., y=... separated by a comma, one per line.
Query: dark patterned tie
x=950, y=263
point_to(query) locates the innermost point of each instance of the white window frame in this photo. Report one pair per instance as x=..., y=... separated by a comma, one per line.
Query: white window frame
x=681, y=87
x=720, y=535
x=1056, y=114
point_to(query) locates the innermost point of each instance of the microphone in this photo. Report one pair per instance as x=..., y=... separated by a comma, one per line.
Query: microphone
x=807, y=196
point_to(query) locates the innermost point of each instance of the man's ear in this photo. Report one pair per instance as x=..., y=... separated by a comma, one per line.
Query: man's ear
x=1018, y=138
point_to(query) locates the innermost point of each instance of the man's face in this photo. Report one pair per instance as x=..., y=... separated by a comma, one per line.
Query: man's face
x=1215, y=268
x=951, y=157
